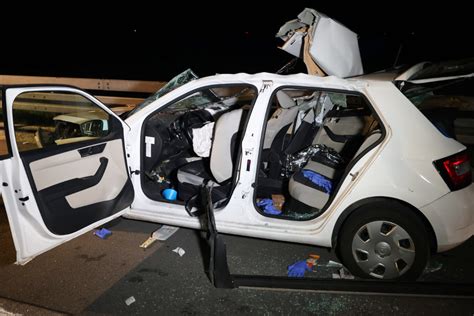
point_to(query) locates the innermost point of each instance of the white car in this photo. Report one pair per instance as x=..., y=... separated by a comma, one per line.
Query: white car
x=344, y=163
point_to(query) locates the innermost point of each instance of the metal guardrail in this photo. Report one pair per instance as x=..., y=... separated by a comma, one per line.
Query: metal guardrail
x=97, y=85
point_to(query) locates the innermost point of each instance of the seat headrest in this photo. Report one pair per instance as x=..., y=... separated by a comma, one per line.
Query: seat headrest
x=285, y=100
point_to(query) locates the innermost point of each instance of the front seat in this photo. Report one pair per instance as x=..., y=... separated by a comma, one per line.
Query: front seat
x=220, y=166
x=280, y=121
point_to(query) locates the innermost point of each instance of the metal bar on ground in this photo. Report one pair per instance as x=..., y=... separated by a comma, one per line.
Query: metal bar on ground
x=381, y=287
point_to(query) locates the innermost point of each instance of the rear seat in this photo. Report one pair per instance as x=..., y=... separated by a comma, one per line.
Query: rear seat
x=337, y=131
x=305, y=191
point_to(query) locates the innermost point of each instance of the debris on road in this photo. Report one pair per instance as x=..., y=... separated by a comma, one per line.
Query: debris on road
x=163, y=233
x=433, y=266
x=180, y=251
x=299, y=268
x=102, y=233
x=147, y=243
x=129, y=301
x=343, y=274
x=333, y=264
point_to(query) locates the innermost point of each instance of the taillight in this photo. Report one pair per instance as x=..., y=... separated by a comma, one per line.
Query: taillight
x=455, y=170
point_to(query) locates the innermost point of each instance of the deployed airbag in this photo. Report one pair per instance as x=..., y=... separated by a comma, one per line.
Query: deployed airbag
x=202, y=140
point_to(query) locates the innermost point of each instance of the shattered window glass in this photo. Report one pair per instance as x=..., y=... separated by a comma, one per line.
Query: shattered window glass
x=184, y=77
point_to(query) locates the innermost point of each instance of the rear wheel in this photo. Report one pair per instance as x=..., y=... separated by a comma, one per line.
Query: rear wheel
x=384, y=241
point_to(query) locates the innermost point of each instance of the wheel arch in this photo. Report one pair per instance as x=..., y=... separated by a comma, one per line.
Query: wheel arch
x=380, y=199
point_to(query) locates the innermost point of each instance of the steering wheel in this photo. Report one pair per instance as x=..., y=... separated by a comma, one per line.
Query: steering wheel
x=189, y=120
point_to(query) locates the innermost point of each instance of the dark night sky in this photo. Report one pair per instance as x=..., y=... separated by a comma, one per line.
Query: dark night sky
x=145, y=41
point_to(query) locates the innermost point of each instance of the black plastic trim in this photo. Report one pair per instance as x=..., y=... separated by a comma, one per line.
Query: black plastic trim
x=92, y=150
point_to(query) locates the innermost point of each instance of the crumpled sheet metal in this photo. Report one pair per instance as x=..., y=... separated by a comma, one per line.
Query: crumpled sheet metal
x=334, y=48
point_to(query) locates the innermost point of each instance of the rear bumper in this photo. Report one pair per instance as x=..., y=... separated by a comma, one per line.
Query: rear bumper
x=452, y=217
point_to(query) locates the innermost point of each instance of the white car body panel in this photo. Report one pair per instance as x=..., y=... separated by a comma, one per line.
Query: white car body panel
x=30, y=234
x=395, y=168
x=384, y=172
x=452, y=217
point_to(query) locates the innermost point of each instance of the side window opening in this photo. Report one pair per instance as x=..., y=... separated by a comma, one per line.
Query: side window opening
x=310, y=140
x=3, y=137
x=194, y=140
x=43, y=119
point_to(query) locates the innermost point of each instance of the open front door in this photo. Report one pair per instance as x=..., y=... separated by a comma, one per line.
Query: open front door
x=64, y=171
x=217, y=268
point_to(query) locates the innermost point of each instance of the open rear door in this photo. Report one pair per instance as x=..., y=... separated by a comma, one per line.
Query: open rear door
x=64, y=171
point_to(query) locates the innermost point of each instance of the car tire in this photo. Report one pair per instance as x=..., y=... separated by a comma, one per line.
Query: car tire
x=384, y=240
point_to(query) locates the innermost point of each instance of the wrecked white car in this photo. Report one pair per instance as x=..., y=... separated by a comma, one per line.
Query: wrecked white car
x=345, y=163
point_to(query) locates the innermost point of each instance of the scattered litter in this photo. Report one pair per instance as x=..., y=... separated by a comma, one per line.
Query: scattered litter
x=333, y=264
x=170, y=194
x=163, y=233
x=267, y=206
x=278, y=201
x=129, y=301
x=298, y=269
x=180, y=251
x=102, y=233
x=433, y=266
x=312, y=261
x=147, y=243
x=343, y=274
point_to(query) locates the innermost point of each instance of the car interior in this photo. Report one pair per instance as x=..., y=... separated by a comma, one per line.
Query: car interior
x=311, y=139
x=193, y=141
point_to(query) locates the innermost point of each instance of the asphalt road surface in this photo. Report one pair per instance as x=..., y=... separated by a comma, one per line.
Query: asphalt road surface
x=91, y=276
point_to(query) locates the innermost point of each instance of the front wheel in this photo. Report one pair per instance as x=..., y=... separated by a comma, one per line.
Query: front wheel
x=384, y=241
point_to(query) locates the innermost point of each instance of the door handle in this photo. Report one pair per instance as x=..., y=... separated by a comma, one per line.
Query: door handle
x=92, y=150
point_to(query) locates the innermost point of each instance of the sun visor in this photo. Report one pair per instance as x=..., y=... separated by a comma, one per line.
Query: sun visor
x=331, y=46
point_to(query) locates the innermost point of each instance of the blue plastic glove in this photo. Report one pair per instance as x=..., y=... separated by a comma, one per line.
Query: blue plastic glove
x=318, y=179
x=268, y=207
x=264, y=202
x=102, y=233
x=298, y=269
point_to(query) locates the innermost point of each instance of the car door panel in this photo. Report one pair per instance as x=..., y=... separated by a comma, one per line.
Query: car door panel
x=70, y=166
x=55, y=192
x=74, y=191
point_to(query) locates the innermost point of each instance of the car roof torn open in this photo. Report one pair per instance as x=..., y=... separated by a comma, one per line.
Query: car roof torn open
x=325, y=45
